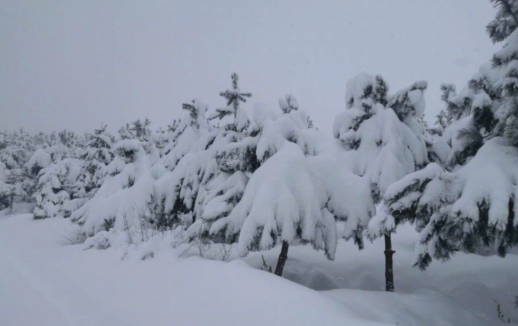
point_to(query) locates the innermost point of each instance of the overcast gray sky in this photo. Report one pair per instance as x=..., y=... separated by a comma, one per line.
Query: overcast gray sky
x=75, y=64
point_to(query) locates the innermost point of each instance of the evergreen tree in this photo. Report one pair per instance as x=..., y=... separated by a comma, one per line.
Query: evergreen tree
x=470, y=205
x=186, y=167
x=14, y=187
x=68, y=138
x=284, y=186
x=408, y=104
x=386, y=139
x=140, y=129
x=55, y=188
x=235, y=161
x=280, y=205
x=196, y=111
x=505, y=22
x=13, y=156
x=15, y=152
x=98, y=154
x=234, y=98
x=288, y=103
x=123, y=201
x=4, y=197
x=39, y=160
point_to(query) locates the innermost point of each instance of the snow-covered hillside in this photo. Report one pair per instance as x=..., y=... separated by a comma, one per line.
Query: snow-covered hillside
x=46, y=281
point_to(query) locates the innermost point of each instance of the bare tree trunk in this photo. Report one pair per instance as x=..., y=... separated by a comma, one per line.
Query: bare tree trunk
x=11, y=202
x=282, y=258
x=389, y=269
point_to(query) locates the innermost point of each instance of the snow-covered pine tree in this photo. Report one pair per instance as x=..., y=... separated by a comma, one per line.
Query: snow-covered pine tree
x=409, y=103
x=505, y=22
x=238, y=159
x=39, y=160
x=386, y=139
x=4, y=198
x=173, y=126
x=97, y=156
x=457, y=107
x=187, y=165
x=123, y=201
x=15, y=151
x=68, y=138
x=160, y=140
x=470, y=206
x=468, y=116
x=12, y=187
x=227, y=156
x=14, y=156
x=280, y=205
x=137, y=129
x=288, y=103
x=234, y=98
x=55, y=182
x=234, y=161
x=55, y=188
x=140, y=130
x=125, y=132
x=196, y=110
x=290, y=198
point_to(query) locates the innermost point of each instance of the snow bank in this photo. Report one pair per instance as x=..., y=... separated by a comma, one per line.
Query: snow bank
x=90, y=288
x=65, y=285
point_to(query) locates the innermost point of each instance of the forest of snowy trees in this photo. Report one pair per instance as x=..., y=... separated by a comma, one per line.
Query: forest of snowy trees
x=260, y=178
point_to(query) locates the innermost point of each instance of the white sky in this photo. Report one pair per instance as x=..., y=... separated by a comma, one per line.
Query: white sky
x=75, y=64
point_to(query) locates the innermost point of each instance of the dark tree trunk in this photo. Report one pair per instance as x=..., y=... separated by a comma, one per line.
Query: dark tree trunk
x=282, y=258
x=389, y=269
x=11, y=202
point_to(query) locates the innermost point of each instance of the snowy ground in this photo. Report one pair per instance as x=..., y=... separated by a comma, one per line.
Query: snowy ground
x=45, y=282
